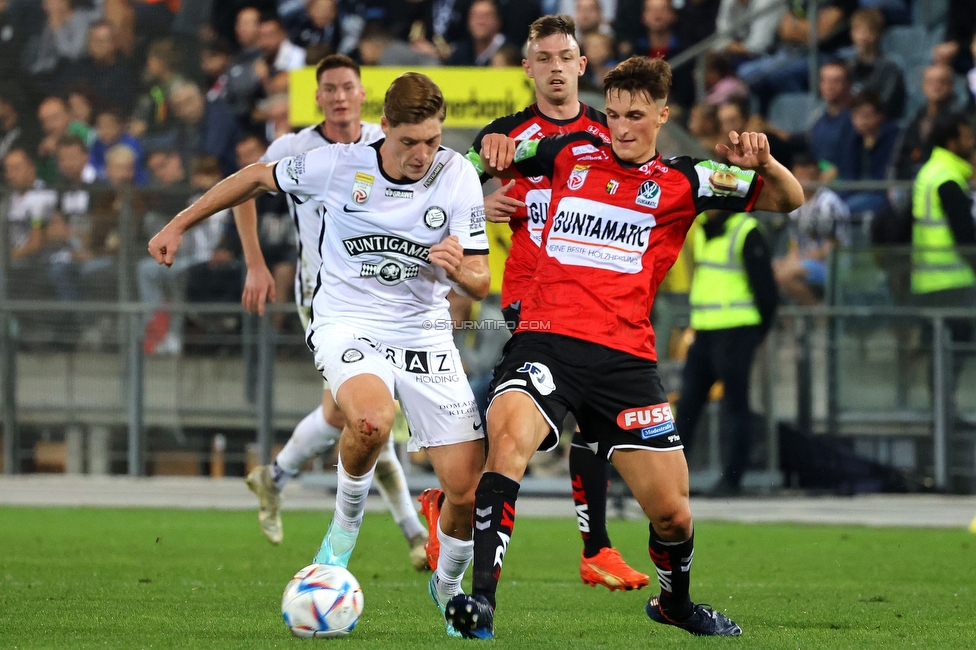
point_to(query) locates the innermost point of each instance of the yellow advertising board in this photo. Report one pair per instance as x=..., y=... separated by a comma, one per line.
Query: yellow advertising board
x=474, y=96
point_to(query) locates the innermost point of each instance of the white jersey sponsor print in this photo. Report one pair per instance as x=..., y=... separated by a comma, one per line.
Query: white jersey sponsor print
x=376, y=275
x=306, y=216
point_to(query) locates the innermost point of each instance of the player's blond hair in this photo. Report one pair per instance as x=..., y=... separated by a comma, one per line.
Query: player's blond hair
x=413, y=98
x=550, y=25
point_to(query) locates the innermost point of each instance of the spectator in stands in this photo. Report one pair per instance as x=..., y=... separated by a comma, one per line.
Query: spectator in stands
x=869, y=68
x=152, y=120
x=786, y=69
x=441, y=24
x=971, y=75
x=599, y=49
x=721, y=82
x=278, y=56
x=109, y=75
x=29, y=214
x=14, y=134
x=484, y=37
x=507, y=56
x=942, y=275
x=703, y=125
x=274, y=109
x=834, y=124
x=959, y=30
x=74, y=265
x=815, y=229
x=135, y=21
x=81, y=104
x=867, y=151
x=204, y=126
x=589, y=20
x=62, y=41
x=317, y=24
x=913, y=149
x=12, y=44
x=169, y=194
x=110, y=131
x=377, y=46
x=276, y=233
x=55, y=123
x=735, y=116
x=215, y=57
x=755, y=37
x=217, y=274
x=661, y=40
x=242, y=85
x=696, y=20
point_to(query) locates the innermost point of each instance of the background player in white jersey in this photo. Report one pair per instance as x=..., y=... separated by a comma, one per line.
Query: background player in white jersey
x=403, y=223
x=340, y=95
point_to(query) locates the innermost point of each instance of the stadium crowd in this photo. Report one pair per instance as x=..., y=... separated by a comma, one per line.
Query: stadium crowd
x=117, y=111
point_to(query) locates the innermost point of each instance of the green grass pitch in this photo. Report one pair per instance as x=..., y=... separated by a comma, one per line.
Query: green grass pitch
x=101, y=578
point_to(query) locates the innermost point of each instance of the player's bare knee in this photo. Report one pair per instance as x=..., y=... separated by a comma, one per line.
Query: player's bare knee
x=673, y=526
x=371, y=430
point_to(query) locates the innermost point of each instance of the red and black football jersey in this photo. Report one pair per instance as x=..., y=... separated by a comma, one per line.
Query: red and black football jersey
x=614, y=230
x=527, y=223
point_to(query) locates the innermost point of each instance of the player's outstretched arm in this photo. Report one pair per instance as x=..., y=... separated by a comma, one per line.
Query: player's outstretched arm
x=259, y=284
x=497, y=154
x=248, y=183
x=781, y=192
x=468, y=274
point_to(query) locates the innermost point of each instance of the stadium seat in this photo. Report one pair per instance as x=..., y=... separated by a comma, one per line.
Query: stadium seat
x=930, y=13
x=909, y=42
x=791, y=111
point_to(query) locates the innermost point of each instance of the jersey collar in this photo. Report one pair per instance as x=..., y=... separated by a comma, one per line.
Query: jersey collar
x=538, y=111
x=321, y=134
x=630, y=165
x=379, y=163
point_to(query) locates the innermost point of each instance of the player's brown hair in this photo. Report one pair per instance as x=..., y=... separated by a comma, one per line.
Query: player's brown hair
x=334, y=61
x=551, y=24
x=413, y=98
x=640, y=75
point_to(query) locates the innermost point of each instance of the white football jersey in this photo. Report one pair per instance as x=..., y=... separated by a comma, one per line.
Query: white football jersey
x=376, y=235
x=306, y=216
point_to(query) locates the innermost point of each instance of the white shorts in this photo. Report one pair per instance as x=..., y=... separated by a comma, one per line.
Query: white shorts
x=430, y=383
x=305, y=316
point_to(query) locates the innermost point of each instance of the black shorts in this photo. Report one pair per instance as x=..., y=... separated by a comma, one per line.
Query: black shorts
x=617, y=397
x=512, y=314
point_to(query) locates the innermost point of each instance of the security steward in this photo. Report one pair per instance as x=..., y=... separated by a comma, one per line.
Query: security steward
x=733, y=302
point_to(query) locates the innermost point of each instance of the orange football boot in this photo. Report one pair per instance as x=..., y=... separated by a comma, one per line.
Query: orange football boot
x=430, y=507
x=607, y=568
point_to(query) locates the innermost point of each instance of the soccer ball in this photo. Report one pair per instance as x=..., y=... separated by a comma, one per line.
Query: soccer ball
x=322, y=601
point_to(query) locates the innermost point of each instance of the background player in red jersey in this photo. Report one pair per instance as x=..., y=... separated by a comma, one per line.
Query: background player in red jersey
x=617, y=220
x=554, y=63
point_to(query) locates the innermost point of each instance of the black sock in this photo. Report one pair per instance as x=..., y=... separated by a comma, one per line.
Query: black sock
x=494, y=518
x=589, y=473
x=673, y=563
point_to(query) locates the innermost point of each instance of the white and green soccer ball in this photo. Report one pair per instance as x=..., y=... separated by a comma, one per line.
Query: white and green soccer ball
x=322, y=601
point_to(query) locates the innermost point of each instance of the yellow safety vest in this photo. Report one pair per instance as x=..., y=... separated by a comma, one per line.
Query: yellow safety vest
x=936, y=264
x=721, y=297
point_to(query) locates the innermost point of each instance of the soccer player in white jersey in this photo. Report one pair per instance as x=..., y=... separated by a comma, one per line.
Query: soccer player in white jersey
x=402, y=224
x=340, y=95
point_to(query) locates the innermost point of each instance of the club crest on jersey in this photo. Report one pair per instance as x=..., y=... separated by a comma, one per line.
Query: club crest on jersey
x=361, y=188
x=649, y=194
x=435, y=217
x=540, y=376
x=612, y=186
x=352, y=355
x=577, y=177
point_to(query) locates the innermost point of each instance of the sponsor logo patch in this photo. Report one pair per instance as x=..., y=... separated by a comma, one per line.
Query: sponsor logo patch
x=657, y=415
x=536, y=179
x=477, y=226
x=657, y=430
x=361, y=188
x=612, y=186
x=528, y=132
x=352, y=355
x=434, y=173
x=398, y=194
x=365, y=244
x=540, y=376
x=584, y=148
x=649, y=194
x=595, y=131
x=296, y=167
x=435, y=217
x=577, y=177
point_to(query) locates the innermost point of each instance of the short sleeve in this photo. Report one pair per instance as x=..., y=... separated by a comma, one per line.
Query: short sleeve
x=280, y=148
x=306, y=176
x=467, y=213
x=724, y=187
x=538, y=157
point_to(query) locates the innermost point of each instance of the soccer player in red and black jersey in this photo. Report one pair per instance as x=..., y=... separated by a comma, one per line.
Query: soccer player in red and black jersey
x=554, y=63
x=617, y=219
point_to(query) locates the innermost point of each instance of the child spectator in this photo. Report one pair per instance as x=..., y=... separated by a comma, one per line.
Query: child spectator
x=867, y=151
x=869, y=69
x=110, y=131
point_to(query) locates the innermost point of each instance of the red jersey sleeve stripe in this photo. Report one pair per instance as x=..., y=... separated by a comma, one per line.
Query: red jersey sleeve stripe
x=754, y=193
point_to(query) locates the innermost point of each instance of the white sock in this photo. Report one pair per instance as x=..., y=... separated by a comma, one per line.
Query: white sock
x=351, y=495
x=311, y=437
x=454, y=559
x=392, y=484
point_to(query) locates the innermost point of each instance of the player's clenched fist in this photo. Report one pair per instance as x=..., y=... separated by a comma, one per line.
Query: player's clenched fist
x=448, y=255
x=164, y=245
x=497, y=151
x=749, y=150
